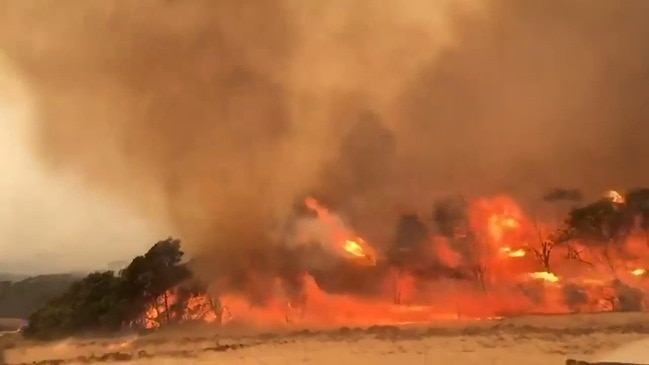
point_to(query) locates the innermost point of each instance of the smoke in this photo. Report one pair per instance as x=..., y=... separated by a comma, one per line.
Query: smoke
x=50, y=223
x=216, y=116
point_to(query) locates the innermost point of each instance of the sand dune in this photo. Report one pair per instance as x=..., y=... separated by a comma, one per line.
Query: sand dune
x=527, y=340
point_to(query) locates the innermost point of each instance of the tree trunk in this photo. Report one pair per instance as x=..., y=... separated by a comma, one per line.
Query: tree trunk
x=479, y=274
x=166, y=299
x=608, y=260
x=546, y=262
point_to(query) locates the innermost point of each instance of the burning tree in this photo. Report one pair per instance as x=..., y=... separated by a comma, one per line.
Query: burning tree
x=544, y=252
x=410, y=237
x=105, y=301
x=637, y=204
x=547, y=243
x=452, y=222
x=603, y=224
x=154, y=274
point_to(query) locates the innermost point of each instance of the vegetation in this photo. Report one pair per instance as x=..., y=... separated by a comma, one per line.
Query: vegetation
x=108, y=301
x=601, y=226
x=605, y=224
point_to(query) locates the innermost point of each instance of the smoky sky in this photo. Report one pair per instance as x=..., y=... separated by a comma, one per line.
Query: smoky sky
x=215, y=116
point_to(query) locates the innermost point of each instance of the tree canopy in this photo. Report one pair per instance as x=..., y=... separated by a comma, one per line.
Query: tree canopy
x=107, y=301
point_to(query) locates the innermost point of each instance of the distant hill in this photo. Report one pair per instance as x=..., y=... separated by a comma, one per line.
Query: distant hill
x=12, y=277
x=18, y=299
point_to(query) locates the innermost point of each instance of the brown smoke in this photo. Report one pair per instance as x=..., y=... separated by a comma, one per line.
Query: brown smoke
x=218, y=115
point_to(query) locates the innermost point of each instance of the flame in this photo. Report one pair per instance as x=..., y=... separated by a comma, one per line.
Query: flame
x=354, y=248
x=545, y=276
x=614, y=196
x=342, y=237
x=196, y=307
x=499, y=224
x=520, y=252
x=500, y=217
x=502, y=267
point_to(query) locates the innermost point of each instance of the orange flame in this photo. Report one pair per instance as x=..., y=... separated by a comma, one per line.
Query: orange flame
x=354, y=248
x=545, y=276
x=343, y=238
x=614, y=197
x=504, y=263
x=514, y=253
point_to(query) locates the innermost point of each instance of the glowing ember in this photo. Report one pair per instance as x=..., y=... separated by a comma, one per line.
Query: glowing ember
x=639, y=272
x=545, y=276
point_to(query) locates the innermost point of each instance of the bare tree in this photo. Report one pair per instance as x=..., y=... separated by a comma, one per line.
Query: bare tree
x=544, y=252
x=574, y=254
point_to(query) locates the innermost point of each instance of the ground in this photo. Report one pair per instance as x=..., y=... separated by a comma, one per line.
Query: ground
x=527, y=340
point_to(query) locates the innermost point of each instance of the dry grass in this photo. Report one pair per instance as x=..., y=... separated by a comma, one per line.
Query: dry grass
x=525, y=340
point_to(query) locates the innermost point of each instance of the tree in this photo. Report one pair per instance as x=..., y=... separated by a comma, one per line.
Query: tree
x=411, y=235
x=406, y=251
x=450, y=217
x=163, y=271
x=451, y=220
x=91, y=304
x=603, y=224
x=105, y=302
x=637, y=206
x=544, y=253
x=556, y=197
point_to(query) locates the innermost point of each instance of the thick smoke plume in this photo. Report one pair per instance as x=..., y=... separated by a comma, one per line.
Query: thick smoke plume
x=218, y=116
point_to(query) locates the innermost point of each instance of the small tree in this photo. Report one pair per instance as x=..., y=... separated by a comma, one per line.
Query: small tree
x=544, y=253
x=602, y=224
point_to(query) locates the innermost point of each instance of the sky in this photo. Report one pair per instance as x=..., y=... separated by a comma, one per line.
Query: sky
x=50, y=222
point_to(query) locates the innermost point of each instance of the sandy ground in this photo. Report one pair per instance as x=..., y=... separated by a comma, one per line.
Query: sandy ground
x=525, y=340
x=9, y=324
